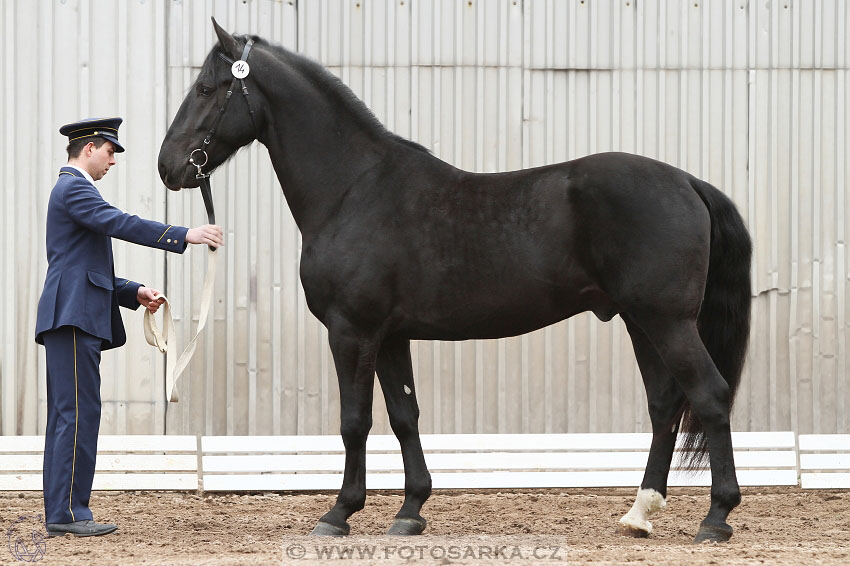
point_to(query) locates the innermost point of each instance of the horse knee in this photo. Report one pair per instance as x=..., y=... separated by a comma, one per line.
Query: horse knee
x=405, y=427
x=663, y=415
x=354, y=432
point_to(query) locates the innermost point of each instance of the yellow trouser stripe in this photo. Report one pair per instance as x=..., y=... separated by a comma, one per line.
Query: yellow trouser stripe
x=76, y=421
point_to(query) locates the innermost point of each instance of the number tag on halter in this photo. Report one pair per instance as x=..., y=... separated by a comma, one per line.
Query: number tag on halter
x=240, y=69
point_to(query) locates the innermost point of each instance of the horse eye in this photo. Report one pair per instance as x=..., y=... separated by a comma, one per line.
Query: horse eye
x=204, y=90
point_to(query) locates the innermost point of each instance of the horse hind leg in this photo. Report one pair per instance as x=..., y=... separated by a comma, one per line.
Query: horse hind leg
x=395, y=373
x=680, y=347
x=665, y=399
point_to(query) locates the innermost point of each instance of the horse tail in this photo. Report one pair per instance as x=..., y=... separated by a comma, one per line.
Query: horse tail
x=724, y=318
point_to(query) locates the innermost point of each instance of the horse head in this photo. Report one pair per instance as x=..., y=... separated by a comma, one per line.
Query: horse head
x=216, y=118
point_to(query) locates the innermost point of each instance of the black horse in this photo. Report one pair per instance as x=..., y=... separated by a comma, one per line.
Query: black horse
x=399, y=245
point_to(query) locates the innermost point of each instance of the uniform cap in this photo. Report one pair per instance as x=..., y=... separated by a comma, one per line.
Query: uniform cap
x=106, y=128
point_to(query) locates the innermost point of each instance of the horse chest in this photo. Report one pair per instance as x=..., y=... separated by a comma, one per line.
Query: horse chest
x=348, y=279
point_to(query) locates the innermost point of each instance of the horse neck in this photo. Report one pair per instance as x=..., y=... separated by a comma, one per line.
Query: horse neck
x=319, y=149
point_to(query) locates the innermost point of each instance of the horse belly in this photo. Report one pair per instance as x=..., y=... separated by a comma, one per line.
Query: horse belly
x=500, y=313
x=504, y=283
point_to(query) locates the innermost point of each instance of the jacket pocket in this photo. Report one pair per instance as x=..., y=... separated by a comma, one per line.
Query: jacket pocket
x=100, y=280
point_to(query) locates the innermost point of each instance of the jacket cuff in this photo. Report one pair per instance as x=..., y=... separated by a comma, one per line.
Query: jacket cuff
x=128, y=292
x=173, y=239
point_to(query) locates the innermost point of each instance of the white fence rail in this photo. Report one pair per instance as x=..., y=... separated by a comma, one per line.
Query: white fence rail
x=474, y=461
x=131, y=462
x=456, y=461
x=825, y=461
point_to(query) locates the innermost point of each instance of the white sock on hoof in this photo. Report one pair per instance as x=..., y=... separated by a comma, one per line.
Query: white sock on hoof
x=647, y=502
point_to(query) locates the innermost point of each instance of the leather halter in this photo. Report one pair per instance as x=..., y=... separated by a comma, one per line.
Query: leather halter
x=174, y=368
x=206, y=191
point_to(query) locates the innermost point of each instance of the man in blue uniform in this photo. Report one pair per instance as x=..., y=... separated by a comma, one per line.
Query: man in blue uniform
x=78, y=314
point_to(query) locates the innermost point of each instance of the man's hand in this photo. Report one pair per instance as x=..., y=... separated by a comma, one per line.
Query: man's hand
x=209, y=234
x=148, y=298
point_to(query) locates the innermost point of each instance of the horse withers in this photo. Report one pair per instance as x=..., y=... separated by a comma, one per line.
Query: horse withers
x=399, y=245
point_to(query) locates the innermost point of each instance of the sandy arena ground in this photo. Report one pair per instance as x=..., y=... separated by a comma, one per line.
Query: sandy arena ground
x=772, y=526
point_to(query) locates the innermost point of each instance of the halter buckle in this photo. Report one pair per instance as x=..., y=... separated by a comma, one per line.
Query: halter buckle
x=199, y=166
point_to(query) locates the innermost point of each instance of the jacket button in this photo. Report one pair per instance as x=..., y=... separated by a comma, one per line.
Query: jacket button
x=168, y=240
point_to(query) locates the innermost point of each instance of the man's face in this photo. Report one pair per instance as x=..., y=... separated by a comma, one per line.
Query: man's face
x=100, y=159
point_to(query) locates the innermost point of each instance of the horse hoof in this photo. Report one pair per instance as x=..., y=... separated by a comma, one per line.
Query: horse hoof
x=633, y=525
x=636, y=523
x=636, y=531
x=328, y=530
x=713, y=533
x=407, y=527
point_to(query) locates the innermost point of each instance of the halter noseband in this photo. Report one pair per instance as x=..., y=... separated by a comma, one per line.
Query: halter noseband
x=206, y=191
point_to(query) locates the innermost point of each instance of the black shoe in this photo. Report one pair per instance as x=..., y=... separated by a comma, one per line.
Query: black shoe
x=80, y=528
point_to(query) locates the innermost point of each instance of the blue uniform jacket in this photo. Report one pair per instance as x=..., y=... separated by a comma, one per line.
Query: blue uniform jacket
x=80, y=288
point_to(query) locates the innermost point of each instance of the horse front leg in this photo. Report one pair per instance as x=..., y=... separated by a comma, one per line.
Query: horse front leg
x=395, y=372
x=354, y=358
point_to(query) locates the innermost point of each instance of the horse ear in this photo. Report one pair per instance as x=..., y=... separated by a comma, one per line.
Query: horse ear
x=228, y=42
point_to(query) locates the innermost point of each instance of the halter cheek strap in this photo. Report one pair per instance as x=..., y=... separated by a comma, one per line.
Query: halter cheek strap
x=245, y=51
x=208, y=139
x=201, y=153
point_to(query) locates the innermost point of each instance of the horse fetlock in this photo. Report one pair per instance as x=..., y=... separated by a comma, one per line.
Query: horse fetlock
x=349, y=504
x=418, y=491
x=725, y=499
x=636, y=522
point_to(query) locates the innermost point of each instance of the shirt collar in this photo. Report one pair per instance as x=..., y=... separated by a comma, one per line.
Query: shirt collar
x=85, y=173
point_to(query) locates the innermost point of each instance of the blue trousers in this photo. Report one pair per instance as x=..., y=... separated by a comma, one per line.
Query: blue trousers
x=73, y=422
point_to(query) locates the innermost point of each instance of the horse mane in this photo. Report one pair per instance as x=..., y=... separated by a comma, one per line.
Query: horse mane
x=330, y=83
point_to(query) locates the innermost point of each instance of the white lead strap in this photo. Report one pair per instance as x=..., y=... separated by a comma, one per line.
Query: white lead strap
x=174, y=366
